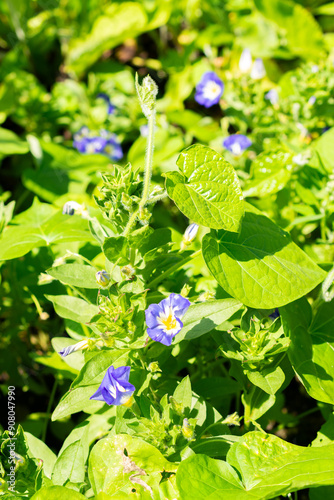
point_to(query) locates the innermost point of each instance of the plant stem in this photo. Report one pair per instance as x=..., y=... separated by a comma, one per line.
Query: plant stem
x=148, y=159
x=147, y=174
x=48, y=410
x=173, y=268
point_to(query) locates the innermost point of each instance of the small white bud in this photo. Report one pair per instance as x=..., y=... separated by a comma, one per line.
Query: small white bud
x=258, y=70
x=245, y=61
x=189, y=235
x=74, y=347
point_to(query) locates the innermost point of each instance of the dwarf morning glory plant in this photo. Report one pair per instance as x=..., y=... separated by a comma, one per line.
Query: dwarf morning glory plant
x=115, y=388
x=164, y=319
x=106, y=143
x=209, y=90
x=237, y=143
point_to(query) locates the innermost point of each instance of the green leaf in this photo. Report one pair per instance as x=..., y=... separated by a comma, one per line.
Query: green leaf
x=11, y=144
x=41, y=225
x=261, y=266
x=256, y=403
x=324, y=149
x=324, y=492
x=70, y=465
x=202, y=477
x=57, y=492
x=270, y=379
x=303, y=34
x=75, y=274
x=183, y=393
x=311, y=351
x=267, y=465
x=115, y=460
x=87, y=382
x=270, y=172
x=202, y=318
x=73, y=308
x=119, y=22
x=207, y=189
x=116, y=249
x=39, y=450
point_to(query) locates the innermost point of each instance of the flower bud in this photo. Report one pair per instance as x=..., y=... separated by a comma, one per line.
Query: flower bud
x=128, y=271
x=147, y=93
x=187, y=429
x=102, y=278
x=245, y=61
x=258, y=70
x=73, y=348
x=189, y=235
x=185, y=290
x=144, y=216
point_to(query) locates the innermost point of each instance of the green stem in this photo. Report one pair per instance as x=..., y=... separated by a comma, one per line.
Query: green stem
x=48, y=410
x=173, y=268
x=148, y=160
x=147, y=174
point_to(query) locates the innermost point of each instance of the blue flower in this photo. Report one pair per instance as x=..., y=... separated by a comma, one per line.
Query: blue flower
x=274, y=314
x=113, y=149
x=86, y=142
x=71, y=207
x=115, y=388
x=272, y=96
x=164, y=319
x=237, y=143
x=209, y=90
x=74, y=347
x=105, y=97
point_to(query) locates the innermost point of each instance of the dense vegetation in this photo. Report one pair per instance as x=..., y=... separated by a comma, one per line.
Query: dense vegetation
x=166, y=249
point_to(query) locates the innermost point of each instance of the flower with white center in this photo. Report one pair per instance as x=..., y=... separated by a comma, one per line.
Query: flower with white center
x=237, y=143
x=189, y=235
x=245, y=61
x=272, y=96
x=258, y=70
x=209, y=90
x=115, y=388
x=164, y=319
x=102, y=278
x=83, y=344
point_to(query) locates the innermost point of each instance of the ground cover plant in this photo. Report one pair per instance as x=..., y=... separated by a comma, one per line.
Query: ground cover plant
x=166, y=250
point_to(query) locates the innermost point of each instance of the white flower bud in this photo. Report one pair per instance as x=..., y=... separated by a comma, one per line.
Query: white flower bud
x=189, y=235
x=245, y=61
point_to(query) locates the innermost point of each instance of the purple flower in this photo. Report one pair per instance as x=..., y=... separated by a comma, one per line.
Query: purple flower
x=115, y=388
x=189, y=235
x=113, y=149
x=105, y=97
x=274, y=314
x=237, y=143
x=85, y=141
x=164, y=319
x=209, y=90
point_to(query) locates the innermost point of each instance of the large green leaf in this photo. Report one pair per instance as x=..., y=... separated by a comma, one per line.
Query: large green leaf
x=41, y=225
x=303, y=34
x=73, y=308
x=75, y=274
x=87, y=382
x=57, y=493
x=40, y=450
x=267, y=466
x=120, y=462
x=118, y=22
x=270, y=173
x=202, y=318
x=11, y=144
x=206, y=189
x=311, y=351
x=70, y=465
x=261, y=266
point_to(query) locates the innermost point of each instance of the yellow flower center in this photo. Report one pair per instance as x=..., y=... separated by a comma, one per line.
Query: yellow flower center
x=169, y=322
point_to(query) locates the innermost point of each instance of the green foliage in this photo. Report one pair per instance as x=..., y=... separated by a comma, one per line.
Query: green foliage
x=207, y=189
